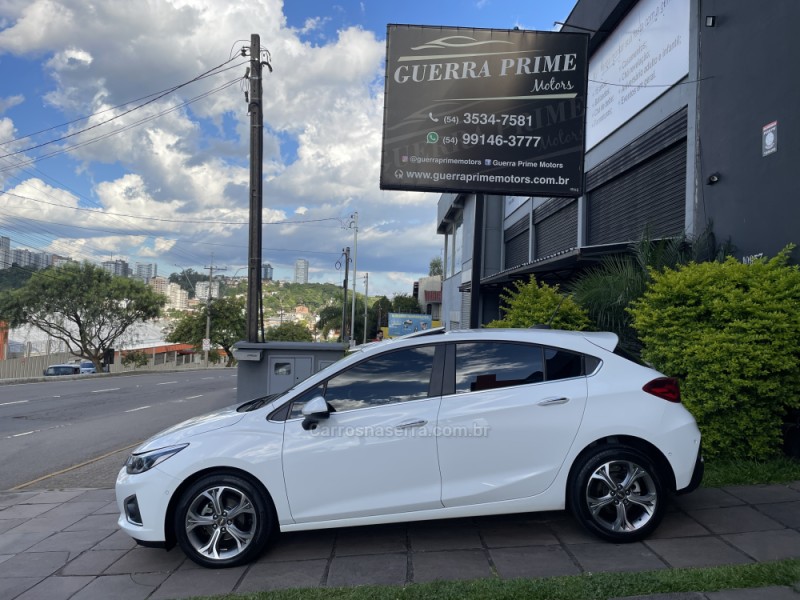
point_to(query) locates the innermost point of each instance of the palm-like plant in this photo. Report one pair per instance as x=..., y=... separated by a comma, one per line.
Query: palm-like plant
x=607, y=290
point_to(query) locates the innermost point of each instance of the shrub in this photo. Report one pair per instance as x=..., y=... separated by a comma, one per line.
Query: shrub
x=729, y=331
x=137, y=358
x=534, y=303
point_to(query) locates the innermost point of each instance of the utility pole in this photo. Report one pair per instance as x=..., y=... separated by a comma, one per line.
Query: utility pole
x=354, y=223
x=344, y=287
x=255, y=110
x=366, y=298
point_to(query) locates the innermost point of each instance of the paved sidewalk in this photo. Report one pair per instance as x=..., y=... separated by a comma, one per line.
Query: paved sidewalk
x=64, y=544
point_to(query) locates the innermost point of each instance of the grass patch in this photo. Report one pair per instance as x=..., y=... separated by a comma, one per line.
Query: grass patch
x=597, y=586
x=749, y=472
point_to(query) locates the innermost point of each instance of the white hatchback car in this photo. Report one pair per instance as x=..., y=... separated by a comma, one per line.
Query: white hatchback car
x=452, y=424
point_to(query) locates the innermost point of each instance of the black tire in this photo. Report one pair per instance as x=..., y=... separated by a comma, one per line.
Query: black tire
x=223, y=520
x=617, y=494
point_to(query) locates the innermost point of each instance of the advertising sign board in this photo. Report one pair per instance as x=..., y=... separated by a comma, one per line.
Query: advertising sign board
x=403, y=323
x=484, y=110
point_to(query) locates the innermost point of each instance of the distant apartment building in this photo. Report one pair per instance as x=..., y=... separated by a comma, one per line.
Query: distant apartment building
x=60, y=261
x=117, y=267
x=5, y=252
x=267, y=272
x=145, y=271
x=30, y=260
x=301, y=270
x=177, y=297
x=201, y=290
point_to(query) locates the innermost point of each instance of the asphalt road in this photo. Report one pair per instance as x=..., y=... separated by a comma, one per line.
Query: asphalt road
x=60, y=432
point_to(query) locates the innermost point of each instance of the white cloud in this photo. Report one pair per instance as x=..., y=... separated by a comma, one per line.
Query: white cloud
x=323, y=108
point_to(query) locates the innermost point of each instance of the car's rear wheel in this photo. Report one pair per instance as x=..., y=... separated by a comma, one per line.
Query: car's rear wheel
x=223, y=521
x=618, y=494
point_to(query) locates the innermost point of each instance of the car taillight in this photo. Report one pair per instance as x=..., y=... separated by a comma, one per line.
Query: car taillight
x=664, y=387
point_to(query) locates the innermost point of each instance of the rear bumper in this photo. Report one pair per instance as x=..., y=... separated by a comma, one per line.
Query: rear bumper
x=697, y=474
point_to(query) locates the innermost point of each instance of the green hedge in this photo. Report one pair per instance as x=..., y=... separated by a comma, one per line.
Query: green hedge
x=731, y=333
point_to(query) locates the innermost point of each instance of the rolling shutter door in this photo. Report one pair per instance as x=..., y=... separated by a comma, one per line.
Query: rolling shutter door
x=556, y=227
x=517, y=244
x=650, y=195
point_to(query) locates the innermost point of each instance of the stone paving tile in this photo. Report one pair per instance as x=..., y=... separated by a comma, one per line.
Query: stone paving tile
x=8, y=524
x=534, y=561
x=93, y=562
x=707, y=498
x=33, y=564
x=95, y=522
x=27, y=511
x=371, y=540
x=735, y=519
x=5, y=557
x=763, y=545
x=101, y=495
x=378, y=569
x=56, y=588
x=568, y=531
x=265, y=576
x=504, y=535
x=69, y=541
x=773, y=593
x=697, y=552
x=147, y=560
x=12, y=498
x=79, y=509
x=203, y=582
x=121, y=587
x=109, y=509
x=46, y=523
x=19, y=542
x=601, y=556
x=676, y=525
x=446, y=535
x=54, y=496
x=787, y=513
x=764, y=494
x=449, y=566
x=11, y=588
x=119, y=540
x=301, y=545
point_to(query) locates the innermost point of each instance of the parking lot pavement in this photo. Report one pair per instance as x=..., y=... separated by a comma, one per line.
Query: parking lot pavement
x=64, y=544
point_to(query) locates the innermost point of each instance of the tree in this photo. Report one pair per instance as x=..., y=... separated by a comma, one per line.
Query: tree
x=15, y=277
x=534, y=303
x=289, y=332
x=405, y=303
x=435, y=267
x=84, y=306
x=137, y=358
x=228, y=326
x=187, y=280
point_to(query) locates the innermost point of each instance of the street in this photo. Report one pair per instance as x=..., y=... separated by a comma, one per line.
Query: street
x=50, y=426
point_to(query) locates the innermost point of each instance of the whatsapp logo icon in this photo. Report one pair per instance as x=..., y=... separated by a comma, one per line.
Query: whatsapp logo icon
x=433, y=137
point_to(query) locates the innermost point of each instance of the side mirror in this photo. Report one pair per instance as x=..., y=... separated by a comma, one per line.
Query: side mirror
x=314, y=411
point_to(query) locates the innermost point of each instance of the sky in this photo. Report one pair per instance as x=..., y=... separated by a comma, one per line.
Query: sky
x=101, y=158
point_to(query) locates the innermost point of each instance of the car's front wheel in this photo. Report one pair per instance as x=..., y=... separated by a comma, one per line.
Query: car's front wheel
x=223, y=521
x=618, y=494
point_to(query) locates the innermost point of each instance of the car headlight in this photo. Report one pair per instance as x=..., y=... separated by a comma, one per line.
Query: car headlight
x=139, y=463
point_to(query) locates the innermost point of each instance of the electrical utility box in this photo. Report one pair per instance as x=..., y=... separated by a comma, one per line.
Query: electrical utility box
x=271, y=367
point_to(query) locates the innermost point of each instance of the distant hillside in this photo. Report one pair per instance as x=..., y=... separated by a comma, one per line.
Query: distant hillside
x=315, y=296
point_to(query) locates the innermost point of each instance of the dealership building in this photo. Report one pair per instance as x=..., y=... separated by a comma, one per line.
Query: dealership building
x=692, y=121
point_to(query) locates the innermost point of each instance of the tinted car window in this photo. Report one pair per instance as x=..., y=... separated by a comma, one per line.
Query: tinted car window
x=385, y=379
x=561, y=364
x=488, y=365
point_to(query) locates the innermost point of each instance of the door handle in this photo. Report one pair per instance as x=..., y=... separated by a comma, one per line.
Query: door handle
x=411, y=424
x=553, y=401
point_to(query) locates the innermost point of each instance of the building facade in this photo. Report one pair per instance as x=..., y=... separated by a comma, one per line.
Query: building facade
x=692, y=125
x=146, y=271
x=301, y=270
x=117, y=267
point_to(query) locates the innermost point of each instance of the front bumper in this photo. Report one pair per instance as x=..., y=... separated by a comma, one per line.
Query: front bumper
x=150, y=494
